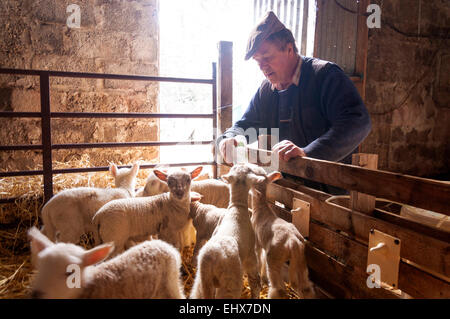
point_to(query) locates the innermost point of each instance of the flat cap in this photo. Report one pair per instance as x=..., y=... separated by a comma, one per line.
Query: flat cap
x=268, y=26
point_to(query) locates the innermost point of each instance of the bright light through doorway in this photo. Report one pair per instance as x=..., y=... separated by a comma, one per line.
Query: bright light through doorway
x=189, y=33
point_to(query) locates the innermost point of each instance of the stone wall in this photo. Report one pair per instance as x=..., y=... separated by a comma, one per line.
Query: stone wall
x=119, y=37
x=408, y=87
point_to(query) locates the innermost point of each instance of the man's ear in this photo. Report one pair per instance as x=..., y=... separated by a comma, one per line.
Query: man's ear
x=289, y=48
x=274, y=176
x=161, y=175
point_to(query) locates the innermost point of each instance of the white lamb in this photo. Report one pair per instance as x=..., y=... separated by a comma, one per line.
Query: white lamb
x=148, y=270
x=214, y=192
x=125, y=220
x=281, y=241
x=69, y=213
x=231, y=250
x=205, y=219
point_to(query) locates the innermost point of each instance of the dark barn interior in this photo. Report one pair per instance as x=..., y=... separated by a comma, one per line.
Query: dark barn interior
x=88, y=85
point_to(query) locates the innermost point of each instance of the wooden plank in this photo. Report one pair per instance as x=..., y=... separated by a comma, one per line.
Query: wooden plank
x=297, y=20
x=280, y=212
x=318, y=29
x=225, y=86
x=343, y=280
x=382, y=214
x=415, y=191
x=304, y=40
x=361, y=202
x=413, y=281
x=301, y=216
x=362, y=45
x=421, y=249
x=225, y=93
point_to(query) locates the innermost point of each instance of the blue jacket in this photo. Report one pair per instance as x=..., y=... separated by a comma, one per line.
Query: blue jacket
x=329, y=118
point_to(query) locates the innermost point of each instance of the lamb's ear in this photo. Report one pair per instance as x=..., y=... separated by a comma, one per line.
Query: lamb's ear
x=274, y=176
x=38, y=242
x=227, y=178
x=113, y=170
x=196, y=172
x=196, y=197
x=97, y=254
x=161, y=175
x=135, y=168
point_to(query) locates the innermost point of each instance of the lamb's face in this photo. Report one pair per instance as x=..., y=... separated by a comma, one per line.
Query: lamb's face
x=179, y=183
x=154, y=186
x=241, y=175
x=58, y=272
x=247, y=176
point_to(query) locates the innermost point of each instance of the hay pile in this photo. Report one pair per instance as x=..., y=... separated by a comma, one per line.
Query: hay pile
x=16, y=273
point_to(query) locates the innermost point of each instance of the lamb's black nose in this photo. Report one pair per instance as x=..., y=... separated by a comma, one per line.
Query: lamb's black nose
x=36, y=294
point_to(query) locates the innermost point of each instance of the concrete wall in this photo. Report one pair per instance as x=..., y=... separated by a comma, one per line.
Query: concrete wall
x=408, y=87
x=120, y=37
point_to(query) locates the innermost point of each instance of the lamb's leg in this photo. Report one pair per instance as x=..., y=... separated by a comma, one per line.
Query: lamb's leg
x=231, y=291
x=298, y=274
x=254, y=280
x=174, y=286
x=196, y=291
x=198, y=245
x=230, y=278
x=261, y=255
x=275, y=263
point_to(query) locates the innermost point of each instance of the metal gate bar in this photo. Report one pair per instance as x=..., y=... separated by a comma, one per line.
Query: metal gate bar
x=46, y=115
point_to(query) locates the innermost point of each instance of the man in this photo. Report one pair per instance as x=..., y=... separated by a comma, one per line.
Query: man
x=315, y=106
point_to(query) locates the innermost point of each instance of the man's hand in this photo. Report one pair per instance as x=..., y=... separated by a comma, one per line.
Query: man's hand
x=226, y=148
x=287, y=150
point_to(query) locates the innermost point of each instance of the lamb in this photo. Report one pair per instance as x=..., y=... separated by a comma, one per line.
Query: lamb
x=65, y=270
x=280, y=240
x=69, y=213
x=153, y=186
x=125, y=220
x=214, y=192
x=205, y=219
x=231, y=249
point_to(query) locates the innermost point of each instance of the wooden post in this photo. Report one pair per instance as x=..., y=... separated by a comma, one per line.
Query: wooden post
x=362, y=47
x=225, y=93
x=46, y=136
x=359, y=201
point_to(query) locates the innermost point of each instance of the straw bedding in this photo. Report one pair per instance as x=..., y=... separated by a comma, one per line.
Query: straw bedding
x=16, y=273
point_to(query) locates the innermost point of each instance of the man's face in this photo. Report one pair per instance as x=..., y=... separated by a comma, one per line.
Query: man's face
x=276, y=64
